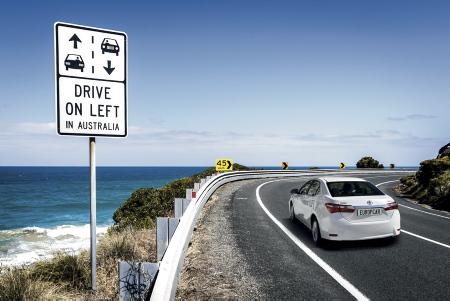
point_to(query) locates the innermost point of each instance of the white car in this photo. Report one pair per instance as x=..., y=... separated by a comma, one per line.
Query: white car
x=344, y=209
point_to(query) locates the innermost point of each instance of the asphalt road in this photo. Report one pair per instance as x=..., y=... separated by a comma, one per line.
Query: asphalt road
x=416, y=266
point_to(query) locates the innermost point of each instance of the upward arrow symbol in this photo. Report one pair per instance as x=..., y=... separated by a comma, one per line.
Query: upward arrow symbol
x=75, y=39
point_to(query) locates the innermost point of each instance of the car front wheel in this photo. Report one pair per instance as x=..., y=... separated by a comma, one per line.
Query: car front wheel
x=316, y=233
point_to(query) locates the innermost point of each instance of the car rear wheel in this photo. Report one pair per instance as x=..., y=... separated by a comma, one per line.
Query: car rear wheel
x=292, y=213
x=315, y=229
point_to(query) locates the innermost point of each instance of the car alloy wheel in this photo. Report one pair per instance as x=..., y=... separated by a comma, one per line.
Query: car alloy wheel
x=316, y=233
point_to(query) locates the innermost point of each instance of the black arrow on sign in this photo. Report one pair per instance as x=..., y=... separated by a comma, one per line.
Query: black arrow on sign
x=109, y=69
x=285, y=166
x=75, y=40
x=342, y=165
x=229, y=164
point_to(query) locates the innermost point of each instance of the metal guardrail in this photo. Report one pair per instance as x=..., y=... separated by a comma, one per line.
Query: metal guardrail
x=172, y=262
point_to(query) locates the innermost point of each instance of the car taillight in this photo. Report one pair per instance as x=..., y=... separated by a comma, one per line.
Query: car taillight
x=391, y=206
x=333, y=208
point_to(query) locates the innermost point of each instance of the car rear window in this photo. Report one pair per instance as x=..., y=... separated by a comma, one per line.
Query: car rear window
x=352, y=188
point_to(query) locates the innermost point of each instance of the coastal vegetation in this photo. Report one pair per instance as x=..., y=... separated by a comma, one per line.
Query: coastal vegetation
x=368, y=162
x=431, y=184
x=145, y=204
x=67, y=275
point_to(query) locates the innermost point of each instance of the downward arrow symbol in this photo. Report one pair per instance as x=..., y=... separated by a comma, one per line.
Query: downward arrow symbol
x=109, y=69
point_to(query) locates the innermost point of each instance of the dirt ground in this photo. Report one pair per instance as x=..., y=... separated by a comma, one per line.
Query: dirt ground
x=214, y=268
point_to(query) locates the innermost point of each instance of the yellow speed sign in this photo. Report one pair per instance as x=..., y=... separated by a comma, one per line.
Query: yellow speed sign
x=224, y=164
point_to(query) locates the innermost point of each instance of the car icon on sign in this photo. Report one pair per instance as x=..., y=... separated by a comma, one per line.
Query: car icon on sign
x=110, y=45
x=74, y=61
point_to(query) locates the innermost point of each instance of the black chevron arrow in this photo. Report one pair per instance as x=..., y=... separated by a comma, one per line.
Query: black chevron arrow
x=229, y=164
x=285, y=166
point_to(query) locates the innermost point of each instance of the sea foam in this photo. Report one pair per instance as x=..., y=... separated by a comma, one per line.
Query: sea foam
x=27, y=245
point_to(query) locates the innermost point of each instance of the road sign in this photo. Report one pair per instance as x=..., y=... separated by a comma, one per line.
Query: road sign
x=91, y=81
x=284, y=165
x=392, y=165
x=342, y=165
x=224, y=164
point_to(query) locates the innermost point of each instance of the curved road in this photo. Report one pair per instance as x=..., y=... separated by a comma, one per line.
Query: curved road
x=289, y=266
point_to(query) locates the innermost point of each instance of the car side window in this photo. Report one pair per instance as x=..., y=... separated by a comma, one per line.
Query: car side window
x=304, y=188
x=315, y=188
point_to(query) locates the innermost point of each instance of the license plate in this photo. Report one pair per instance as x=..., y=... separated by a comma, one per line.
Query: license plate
x=372, y=211
x=111, y=47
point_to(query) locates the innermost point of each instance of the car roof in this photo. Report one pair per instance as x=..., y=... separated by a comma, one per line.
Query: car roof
x=342, y=179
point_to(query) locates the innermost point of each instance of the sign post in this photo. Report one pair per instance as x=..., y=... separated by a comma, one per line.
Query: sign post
x=92, y=171
x=91, y=94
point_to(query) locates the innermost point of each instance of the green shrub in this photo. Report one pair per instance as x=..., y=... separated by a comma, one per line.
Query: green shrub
x=408, y=180
x=430, y=169
x=17, y=283
x=64, y=268
x=368, y=162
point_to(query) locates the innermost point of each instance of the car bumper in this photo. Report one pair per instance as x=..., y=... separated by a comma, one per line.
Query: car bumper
x=338, y=228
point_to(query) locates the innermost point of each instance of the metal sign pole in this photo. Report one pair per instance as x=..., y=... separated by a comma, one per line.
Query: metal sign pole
x=93, y=213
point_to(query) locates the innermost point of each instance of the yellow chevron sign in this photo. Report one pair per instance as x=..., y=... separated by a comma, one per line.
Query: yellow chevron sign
x=284, y=165
x=342, y=165
x=224, y=164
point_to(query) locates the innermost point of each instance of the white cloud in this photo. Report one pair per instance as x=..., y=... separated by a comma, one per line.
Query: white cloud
x=38, y=144
x=412, y=117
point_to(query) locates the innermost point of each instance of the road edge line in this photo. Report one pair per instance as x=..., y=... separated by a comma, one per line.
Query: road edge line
x=332, y=272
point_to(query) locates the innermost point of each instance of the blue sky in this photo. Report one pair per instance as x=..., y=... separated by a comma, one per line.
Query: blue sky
x=260, y=82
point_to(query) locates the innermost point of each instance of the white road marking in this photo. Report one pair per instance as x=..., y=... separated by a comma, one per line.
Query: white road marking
x=415, y=208
x=341, y=280
x=418, y=236
x=427, y=239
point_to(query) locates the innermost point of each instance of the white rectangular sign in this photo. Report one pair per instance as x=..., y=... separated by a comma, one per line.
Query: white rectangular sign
x=91, y=81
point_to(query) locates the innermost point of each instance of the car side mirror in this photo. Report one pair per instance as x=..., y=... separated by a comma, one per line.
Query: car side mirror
x=294, y=191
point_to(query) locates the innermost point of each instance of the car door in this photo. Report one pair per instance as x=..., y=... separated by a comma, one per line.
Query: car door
x=299, y=201
x=310, y=200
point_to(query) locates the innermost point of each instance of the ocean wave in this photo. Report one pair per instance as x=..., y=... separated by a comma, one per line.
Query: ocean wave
x=27, y=245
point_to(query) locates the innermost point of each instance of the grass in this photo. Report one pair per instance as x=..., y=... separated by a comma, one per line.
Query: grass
x=68, y=275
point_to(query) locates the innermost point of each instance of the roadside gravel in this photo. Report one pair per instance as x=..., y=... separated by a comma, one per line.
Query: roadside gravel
x=214, y=268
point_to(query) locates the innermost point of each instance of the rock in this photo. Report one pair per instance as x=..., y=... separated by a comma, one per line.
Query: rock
x=444, y=151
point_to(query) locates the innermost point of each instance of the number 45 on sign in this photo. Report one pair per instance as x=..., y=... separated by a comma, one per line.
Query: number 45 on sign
x=224, y=164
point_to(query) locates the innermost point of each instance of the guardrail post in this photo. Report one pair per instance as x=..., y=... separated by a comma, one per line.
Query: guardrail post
x=185, y=205
x=178, y=208
x=188, y=194
x=173, y=224
x=136, y=279
x=202, y=182
x=162, y=236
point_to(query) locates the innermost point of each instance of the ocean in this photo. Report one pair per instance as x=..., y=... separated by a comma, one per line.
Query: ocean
x=48, y=208
x=43, y=209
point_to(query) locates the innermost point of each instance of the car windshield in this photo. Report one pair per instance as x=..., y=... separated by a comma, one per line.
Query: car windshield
x=352, y=188
x=74, y=57
x=110, y=41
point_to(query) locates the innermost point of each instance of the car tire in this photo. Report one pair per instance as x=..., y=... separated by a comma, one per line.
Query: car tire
x=315, y=230
x=81, y=69
x=291, y=213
